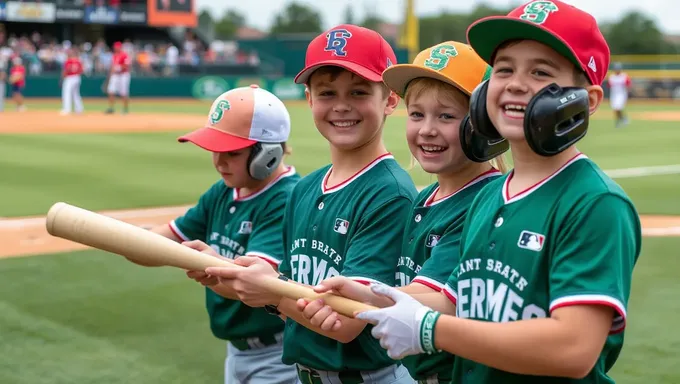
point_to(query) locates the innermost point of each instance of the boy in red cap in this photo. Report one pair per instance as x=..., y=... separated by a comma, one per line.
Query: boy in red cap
x=343, y=219
x=548, y=250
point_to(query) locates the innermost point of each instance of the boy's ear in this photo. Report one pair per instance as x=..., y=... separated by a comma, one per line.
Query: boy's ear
x=308, y=96
x=392, y=103
x=595, y=97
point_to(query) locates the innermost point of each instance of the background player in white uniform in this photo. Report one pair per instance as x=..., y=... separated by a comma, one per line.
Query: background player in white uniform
x=619, y=86
x=70, y=83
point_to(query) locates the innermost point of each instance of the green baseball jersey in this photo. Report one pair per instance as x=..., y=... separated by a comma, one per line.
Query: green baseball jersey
x=353, y=229
x=234, y=226
x=430, y=251
x=571, y=239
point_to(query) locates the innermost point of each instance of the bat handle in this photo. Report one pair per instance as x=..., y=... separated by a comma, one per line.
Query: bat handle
x=293, y=291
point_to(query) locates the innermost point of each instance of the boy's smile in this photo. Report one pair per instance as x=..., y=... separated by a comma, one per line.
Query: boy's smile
x=520, y=70
x=348, y=110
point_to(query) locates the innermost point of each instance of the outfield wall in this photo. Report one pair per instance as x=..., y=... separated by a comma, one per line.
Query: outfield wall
x=645, y=86
x=199, y=87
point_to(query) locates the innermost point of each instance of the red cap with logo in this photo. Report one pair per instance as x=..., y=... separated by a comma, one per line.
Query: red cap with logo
x=568, y=30
x=357, y=49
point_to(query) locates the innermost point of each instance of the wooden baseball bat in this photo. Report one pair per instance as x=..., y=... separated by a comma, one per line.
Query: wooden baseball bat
x=138, y=244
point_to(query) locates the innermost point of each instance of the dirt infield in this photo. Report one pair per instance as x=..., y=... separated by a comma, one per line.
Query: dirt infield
x=657, y=116
x=96, y=122
x=27, y=236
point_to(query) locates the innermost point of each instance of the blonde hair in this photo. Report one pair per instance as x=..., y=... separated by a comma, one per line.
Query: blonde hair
x=445, y=92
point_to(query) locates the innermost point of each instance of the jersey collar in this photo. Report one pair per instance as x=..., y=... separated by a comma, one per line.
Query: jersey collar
x=347, y=182
x=506, y=196
x=237, y=197
x=431, y=201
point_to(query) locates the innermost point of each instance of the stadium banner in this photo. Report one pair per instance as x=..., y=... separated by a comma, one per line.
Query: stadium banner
x=101, y=15
x=70, y=13
x=32, y=12
x=132, y=14
x=169, y=13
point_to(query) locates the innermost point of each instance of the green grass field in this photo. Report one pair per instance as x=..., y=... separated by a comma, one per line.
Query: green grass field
x=87, y=317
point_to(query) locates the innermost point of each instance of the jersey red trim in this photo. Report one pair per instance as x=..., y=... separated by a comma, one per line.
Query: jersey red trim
x=431, y=200
x=450, y=294
x=618, y=322
x=520, y=195
x=176, y=231
x=362, y=280
x=339, y=186
x=428, y=284
x=266, y=257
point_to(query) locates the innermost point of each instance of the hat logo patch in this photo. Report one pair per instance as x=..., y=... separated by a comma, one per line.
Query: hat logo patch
x=218, y=111
x=538, y=11
x=336, y=41
x=440, y=56
x=592, y=65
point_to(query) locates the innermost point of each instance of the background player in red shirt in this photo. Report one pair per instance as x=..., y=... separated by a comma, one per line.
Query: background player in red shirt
x=70, y=83
x=118, y=80
x=17, y=80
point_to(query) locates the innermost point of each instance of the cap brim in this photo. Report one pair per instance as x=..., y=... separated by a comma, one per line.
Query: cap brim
x=215, y=140
x=487, y=34
x=397, y=77
x=357, y=69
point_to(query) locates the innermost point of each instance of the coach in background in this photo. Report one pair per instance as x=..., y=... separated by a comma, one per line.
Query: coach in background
x=17, y=79
x=70, y=84
x=118, y=80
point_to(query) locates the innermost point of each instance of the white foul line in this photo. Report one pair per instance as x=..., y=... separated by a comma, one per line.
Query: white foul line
x=624, y=173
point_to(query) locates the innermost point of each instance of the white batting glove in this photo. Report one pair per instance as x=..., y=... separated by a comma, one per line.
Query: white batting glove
x=405, y=328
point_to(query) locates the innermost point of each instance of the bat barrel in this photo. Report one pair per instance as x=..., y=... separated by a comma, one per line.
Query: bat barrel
x=148, y=248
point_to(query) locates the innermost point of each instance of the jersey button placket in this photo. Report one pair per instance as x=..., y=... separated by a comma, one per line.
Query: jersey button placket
x=320, y=207
x=497, y=223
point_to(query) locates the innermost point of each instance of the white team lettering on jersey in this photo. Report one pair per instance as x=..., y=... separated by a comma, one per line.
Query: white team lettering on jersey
x=310, y=270
x=488, y=299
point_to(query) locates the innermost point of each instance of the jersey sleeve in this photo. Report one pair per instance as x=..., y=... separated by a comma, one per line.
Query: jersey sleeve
x=193, y=225
x=443, y=258
x=374, y=250
x=594, y=258
x=266, y=238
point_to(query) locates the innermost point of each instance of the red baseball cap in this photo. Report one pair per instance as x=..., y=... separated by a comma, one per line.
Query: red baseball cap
x=117, y=44
x=357, y=49
x=568, y=30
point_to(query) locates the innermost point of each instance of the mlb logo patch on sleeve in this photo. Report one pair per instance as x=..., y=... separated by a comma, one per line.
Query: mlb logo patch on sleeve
x=531, y=240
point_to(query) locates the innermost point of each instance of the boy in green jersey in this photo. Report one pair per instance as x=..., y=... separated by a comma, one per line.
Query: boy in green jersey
x=345, y=218
x=241, y=214
x=547, y=252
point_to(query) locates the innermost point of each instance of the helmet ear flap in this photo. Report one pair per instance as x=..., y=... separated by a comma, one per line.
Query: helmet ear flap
x=263, y=159
x=479, y=117
x=556, y=118
x=478, y=147
x=479, y=139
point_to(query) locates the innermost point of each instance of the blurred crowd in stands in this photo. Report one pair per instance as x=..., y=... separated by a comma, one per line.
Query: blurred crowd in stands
x=45, y=54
